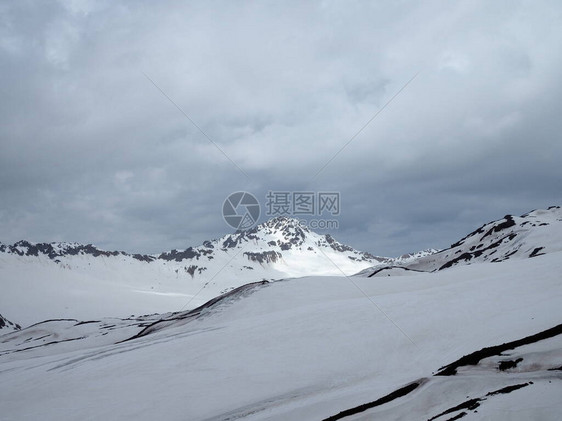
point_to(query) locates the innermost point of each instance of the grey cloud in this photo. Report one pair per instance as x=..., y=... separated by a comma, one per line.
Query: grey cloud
x=91, y=151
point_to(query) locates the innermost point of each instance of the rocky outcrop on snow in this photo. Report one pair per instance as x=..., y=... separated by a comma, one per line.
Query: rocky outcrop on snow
x=7, y=326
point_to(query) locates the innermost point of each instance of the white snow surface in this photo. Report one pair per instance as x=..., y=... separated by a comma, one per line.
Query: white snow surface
x=294, y=349
x=304, y=349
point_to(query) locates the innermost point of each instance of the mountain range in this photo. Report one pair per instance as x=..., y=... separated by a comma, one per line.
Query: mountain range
x=473, y=331
x=277, y=240
x=86, y=282
x=77, y=274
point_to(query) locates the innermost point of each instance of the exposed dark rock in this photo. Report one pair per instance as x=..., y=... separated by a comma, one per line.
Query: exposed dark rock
x=86, y=322
x=475, y=357
x=403, y=391
x=143, y=258
x=178, y=256
x=230, y=242
x=508, y=223
x=508, y=389
x=474, y=403
x=335, y=245
x=264, y=256
x=536, y=251
x=508, y=364
x=55, y=251
x=470, y=404
x=467, y=256
x=393, y=267
x=191, y=270
x=5, y=323
x=44, y=345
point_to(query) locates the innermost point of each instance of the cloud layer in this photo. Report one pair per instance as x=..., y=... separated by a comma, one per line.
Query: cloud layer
x=91, y=151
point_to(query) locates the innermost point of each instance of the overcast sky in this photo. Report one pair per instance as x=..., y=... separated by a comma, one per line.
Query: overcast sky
x=91, y=151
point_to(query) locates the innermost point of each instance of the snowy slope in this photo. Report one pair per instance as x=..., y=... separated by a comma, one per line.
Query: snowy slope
x=530, y=235
x=70, y=280
x=307, y=349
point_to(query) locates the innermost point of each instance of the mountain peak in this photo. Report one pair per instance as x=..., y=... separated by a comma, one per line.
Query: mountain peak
x=282, y=231
x=282, y=223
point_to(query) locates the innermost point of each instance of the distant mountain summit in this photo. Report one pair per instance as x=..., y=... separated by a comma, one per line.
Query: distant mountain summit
x=270, y=242
x=277, y=249
x=512, y=237
x=71, y=280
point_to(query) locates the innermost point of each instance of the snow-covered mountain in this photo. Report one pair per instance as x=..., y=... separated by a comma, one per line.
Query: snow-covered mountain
x=86, y=282
x=445, y=340
x=411, y=257
x=280, y=239
x=473, y=342
x=512, y=237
